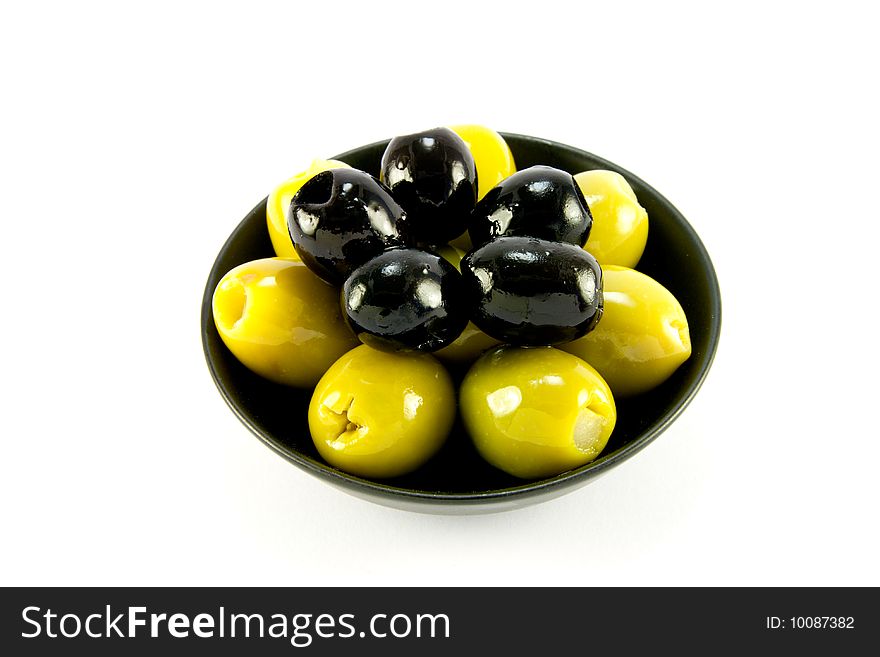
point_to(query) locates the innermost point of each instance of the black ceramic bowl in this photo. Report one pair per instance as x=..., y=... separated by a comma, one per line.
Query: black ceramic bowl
x=457, y=480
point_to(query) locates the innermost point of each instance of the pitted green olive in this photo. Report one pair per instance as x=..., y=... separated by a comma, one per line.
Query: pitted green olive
x=643, y=336
x=494, y=163
x=620, y=224
x=281, y=321
x=450, y=254
x=381, y=414
x=472, y=342
x=536, y=411
x=491, y=154
x=467, y=347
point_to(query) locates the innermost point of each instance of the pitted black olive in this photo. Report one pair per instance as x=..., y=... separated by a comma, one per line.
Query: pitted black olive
x=405, y=299
x=540, y=202
x=527, y=291
x=433, y=176
x=340, y=219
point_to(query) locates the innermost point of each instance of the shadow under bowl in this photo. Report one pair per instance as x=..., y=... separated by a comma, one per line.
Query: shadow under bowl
x=458, y=480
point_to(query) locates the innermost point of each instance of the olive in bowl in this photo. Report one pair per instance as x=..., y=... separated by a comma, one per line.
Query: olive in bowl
x=620, y=223
x=539, y=201
x=457, y=479
x=492, y=155
x=433, y=176
x=528, y=291
x=378, y=414
x=280, y=320
x=536, y=412
x=279, y=200
x=405, y=299
x=341, y=218
x=493, y=159
x=643, y=337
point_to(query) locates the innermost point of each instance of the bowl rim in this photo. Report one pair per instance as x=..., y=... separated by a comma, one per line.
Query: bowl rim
x=559, y=482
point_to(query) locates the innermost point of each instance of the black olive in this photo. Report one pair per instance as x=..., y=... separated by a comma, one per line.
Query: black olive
x=433, y=176
x=405, y=299
x=340, y=219
x=527, y=291
x=538, y=202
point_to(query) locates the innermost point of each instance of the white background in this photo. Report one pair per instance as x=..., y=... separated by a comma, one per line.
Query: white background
x=134, y=139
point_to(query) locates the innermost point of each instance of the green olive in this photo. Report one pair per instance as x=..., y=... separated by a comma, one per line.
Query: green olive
x=467, y=347
x=643, y=336
x=281, y=321
x=462, y=243
x=472, y=342
x=381, y=414
x=494, y=163
x=451, y=254
x=491, y=155
x=536, y=411
x=620, y=224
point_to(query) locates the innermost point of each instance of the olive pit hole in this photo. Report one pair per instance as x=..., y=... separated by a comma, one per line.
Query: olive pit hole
x=316, y=191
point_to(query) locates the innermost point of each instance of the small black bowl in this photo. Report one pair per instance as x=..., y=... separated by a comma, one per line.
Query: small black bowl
x=457, y=480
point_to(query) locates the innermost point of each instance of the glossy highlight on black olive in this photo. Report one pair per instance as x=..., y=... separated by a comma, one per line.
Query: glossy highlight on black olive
x=405, y=299
x=527, y=291
x=540, y=201
x=340, y=219
x=433, y=176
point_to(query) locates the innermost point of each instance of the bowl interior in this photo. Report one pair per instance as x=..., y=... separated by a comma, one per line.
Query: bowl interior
x=278, y=415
